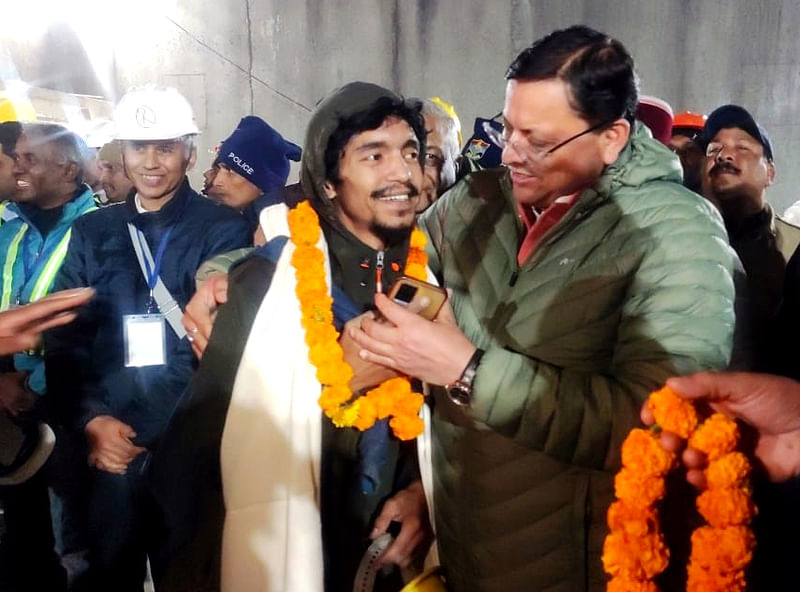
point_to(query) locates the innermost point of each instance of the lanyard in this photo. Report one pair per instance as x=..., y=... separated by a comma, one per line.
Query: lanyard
x=153, y=268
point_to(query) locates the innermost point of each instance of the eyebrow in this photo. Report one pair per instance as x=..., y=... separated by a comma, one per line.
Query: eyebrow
x=371, y=146
x=411, y=143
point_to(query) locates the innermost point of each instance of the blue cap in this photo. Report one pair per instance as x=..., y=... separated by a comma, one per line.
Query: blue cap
x=480, y=148
x=729, y=116
x=258, y=153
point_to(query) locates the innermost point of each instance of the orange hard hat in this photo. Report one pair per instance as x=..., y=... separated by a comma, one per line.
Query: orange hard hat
x=689, y=119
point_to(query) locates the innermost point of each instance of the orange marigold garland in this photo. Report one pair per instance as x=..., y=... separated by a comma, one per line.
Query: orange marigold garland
x=634, y=553
x=393, y=398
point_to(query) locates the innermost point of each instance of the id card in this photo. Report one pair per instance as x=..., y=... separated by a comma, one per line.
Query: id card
x=145, y=340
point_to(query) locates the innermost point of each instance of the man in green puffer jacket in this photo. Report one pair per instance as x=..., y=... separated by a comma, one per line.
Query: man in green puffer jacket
x=581, y=277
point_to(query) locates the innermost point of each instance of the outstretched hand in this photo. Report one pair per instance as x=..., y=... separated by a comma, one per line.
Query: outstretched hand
x=769, y=404
x=21, y=328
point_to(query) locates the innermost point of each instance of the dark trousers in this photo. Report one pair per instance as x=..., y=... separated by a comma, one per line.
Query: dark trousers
x=122, y=529
x=28, y=561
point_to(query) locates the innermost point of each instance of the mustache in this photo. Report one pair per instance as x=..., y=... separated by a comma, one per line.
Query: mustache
x=411, y=189
x=723, y=167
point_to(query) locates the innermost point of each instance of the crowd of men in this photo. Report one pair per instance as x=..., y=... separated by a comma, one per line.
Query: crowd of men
x=587, y=259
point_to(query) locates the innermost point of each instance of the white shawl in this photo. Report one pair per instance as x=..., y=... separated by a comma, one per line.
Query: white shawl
x=271, y=444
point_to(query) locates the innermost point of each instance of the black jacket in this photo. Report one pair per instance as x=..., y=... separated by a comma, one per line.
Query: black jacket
x=85, y=365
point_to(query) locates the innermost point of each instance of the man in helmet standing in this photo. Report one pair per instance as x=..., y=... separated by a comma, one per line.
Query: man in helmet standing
x=118, y=370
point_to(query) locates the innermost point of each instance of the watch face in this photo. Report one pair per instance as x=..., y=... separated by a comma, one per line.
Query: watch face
x=459, y=394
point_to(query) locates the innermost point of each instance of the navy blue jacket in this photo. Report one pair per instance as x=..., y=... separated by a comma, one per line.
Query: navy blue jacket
x=84, y=361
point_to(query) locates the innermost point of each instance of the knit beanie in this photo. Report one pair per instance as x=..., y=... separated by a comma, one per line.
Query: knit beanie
x=258, y=153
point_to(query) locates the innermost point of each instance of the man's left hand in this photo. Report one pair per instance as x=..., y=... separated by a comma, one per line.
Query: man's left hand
x=436, y=352
x=409, y=508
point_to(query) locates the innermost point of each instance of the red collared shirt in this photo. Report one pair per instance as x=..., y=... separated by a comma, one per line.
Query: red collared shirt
x=537, y=225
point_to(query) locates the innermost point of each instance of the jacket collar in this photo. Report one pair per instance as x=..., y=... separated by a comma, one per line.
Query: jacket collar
x=81, y=202
x=753, y=226
x=166, y=215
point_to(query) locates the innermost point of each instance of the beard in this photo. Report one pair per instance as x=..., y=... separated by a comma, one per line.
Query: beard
x=391, y=235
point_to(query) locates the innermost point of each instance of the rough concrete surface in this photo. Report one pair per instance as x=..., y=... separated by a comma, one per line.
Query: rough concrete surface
x=276, y=58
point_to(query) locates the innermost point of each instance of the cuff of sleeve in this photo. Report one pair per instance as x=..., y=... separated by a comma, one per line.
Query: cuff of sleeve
x=89, y=411
x=486, y=384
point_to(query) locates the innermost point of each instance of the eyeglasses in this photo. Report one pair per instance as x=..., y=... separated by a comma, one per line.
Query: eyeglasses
x=714, y=149
x=502, y=139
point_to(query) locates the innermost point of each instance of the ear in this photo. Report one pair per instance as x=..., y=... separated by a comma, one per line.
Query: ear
x=71, y=172
x=192, y=160
x=770, y=173
x=330, y=191
x=613, y=140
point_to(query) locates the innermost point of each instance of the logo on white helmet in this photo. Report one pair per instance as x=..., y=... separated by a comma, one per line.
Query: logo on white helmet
x=240, y=163
x=145, y=116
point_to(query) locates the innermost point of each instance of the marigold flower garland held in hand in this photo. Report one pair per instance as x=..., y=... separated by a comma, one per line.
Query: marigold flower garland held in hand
x=392, y=398
x=634, y=553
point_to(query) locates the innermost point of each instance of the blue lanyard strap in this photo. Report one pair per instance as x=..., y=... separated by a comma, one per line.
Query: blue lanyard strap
x=152, y=272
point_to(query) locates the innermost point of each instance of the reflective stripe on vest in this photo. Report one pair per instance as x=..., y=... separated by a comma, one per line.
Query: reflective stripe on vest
x=8, y=267
x=48, y=275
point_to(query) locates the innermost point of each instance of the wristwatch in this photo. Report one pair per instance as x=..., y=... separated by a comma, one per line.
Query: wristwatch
x=460, y=391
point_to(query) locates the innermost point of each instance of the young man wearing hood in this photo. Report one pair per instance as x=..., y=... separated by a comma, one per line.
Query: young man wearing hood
x=302, y=498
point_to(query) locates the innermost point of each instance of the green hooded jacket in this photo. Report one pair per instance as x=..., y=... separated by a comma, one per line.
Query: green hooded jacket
x=632, y=285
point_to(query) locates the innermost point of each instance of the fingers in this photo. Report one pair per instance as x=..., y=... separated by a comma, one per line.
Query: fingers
x=401, y=551
x=393, y=312
x=106, y=463
x=696, y=478
x=220, y=288
x=711, y=385
x=694, y=459
x=198, y=319
x=374, y=336
x=646, y=415
x=671, y=442
x=388, y=513
x=446, y=314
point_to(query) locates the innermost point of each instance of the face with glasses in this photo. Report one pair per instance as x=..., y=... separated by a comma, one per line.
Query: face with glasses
x=42, y=174
x=548, y=147
x=736, y=166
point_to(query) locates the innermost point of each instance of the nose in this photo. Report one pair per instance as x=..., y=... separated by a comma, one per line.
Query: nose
x=512, y=155
x=150, y=157
x=219, y=177
x=724, y=154
x=18, y=167
x=400, y=168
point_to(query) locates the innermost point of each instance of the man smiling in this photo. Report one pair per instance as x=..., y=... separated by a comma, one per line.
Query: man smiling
x=118, y=371
x=615, y=277
x=312, y=494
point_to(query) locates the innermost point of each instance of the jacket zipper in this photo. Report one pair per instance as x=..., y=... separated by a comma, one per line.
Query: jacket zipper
x=379, y=272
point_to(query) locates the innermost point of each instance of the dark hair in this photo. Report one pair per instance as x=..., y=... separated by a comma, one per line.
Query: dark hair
x=597, y=70
x=67, y=144
x=408, y=110
x=10, y=131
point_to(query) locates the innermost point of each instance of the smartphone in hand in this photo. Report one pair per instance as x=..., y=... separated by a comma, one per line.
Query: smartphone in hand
x=421, y=297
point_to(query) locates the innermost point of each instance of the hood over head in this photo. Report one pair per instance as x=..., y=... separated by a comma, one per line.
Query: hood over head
x=342, y=103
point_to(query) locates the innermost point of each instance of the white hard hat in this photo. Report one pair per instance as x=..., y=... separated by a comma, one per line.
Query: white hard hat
x=153, y=112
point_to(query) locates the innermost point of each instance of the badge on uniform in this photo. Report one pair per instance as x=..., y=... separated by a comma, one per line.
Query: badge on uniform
x=145, y=340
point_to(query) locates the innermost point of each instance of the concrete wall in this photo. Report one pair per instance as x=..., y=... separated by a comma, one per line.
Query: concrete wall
x=276, y=58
